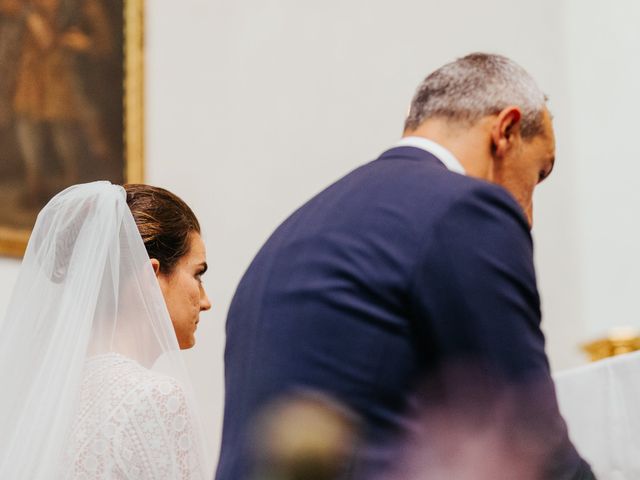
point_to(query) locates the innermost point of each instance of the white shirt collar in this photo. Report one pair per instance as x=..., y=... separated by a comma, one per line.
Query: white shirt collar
x=445, y=156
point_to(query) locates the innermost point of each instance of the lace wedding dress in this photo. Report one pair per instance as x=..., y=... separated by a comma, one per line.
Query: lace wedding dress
x=131, y=424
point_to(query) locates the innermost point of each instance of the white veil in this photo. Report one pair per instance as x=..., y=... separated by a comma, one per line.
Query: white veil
x=86, y=288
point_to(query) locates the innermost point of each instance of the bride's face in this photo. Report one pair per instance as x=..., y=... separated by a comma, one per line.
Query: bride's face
x=184, y=292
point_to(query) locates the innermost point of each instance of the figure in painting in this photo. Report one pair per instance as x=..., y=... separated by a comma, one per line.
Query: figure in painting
x=50, y=97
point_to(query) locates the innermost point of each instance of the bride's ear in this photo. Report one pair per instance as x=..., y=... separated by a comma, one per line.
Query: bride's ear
x=155, y=263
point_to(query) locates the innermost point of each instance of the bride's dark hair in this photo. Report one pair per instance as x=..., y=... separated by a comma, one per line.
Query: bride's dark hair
x=165, y=223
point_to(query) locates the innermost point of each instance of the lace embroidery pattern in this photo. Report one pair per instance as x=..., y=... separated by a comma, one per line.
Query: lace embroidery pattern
x=132, y=424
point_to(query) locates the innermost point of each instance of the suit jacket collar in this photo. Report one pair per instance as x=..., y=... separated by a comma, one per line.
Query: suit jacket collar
x=436, y=150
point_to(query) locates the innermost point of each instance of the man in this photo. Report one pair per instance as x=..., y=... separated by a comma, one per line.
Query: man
x=411, y=281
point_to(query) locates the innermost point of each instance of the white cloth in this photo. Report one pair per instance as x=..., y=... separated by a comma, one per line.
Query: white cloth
x=132, y=423
x=441, y=153
x=599, y=402
x=93, y=382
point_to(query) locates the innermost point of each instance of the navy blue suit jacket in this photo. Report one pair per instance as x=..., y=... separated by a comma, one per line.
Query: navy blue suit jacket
x=392, y=273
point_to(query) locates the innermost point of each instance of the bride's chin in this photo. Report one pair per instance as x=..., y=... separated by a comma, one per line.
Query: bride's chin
x=187, y=344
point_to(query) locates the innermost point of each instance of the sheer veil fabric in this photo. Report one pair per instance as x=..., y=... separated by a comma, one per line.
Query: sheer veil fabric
x=93, y=383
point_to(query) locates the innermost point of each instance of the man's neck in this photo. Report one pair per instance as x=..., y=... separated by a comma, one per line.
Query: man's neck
x=470, y=145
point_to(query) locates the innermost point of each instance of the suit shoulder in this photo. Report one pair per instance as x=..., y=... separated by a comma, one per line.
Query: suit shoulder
x=489, y=200
x=483, y=218
x=429, y=178
x=457, y=194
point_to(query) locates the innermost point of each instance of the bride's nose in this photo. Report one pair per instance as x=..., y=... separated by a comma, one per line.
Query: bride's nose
x=205, y=303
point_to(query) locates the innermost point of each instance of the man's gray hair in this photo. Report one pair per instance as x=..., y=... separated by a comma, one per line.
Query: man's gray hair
x=475, y=86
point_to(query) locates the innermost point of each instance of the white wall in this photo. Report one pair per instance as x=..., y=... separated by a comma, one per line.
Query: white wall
x=603, y=62
x=254, y=106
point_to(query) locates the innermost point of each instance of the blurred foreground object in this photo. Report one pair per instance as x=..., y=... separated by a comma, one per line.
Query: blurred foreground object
x=472, y=426
x=305, y=437
x=618, y=341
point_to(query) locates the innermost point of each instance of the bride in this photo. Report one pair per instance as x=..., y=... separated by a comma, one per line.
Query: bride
x=93, y=384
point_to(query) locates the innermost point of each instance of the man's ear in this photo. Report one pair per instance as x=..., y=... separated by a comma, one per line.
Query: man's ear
x=155, y=263
x=506, y=130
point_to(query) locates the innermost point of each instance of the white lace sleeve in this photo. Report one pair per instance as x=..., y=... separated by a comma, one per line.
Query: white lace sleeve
x=133, y=424
x=161, y=431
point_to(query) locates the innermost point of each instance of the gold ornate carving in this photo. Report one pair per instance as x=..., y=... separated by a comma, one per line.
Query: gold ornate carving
x=619, y=341
x=134, y=91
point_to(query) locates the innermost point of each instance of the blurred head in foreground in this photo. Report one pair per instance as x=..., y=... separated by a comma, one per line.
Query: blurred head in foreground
x=306, y=436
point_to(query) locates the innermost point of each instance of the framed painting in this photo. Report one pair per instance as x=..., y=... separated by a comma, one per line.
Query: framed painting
x=71, y=103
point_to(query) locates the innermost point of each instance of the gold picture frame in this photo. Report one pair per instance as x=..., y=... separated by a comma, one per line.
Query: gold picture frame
x=125, y=158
